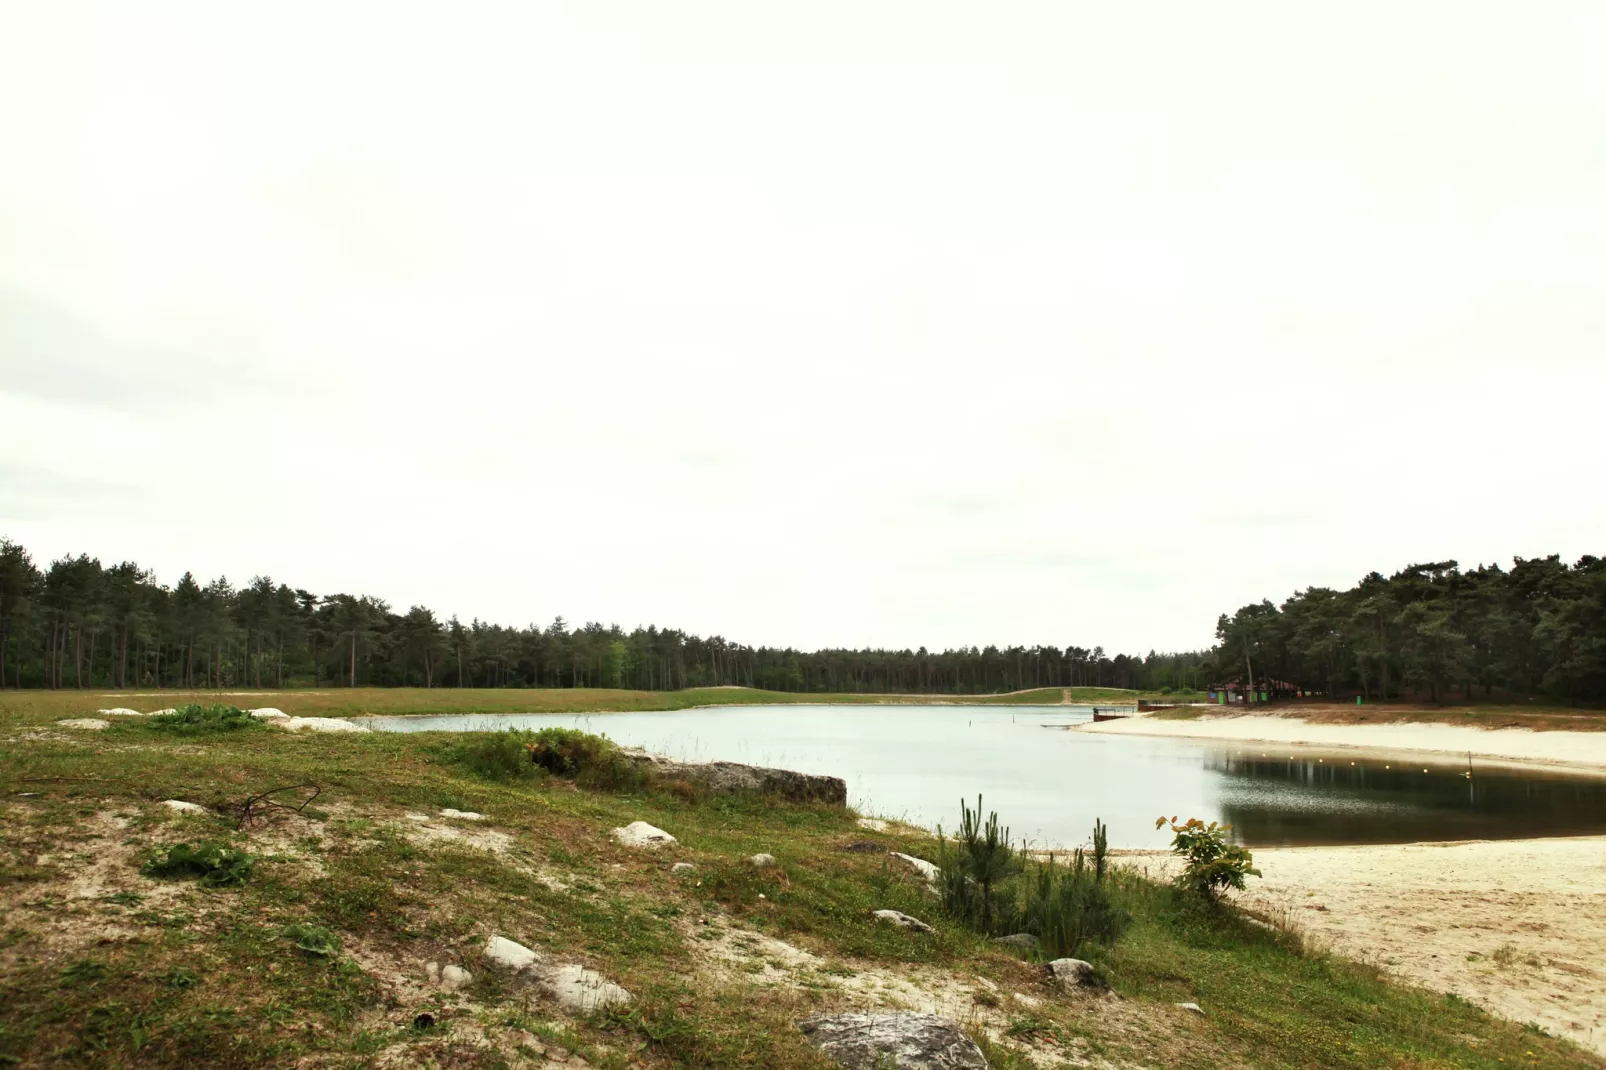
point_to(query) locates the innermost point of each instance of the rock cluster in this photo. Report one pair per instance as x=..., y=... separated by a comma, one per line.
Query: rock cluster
x=576, y=989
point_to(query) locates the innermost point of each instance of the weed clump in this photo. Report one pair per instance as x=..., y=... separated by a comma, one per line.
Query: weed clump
x=591, y=761
x=313, y=939
x=212, y=864
x=198, y=720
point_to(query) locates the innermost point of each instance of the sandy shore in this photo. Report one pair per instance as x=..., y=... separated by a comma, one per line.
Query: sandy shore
x=1516, y=926
x=1580, y=750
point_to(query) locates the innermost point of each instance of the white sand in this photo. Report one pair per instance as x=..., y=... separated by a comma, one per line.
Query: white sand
x=1583, y=750
x=1517, y=926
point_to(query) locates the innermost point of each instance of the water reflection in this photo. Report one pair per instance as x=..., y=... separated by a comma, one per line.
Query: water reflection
x=1297, y=799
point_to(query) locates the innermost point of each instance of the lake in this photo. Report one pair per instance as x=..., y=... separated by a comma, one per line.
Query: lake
x=1048, y=784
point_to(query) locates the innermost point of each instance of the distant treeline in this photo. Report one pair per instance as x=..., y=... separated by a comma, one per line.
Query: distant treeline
x=78, y=623
x=1435, y=631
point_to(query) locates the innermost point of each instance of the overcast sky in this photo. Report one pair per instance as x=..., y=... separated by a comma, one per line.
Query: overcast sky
x=812, y=324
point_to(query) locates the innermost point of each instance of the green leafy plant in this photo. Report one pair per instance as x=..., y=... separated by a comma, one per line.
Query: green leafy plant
x=214, y=865
x=976, y=868
x=179, y=977
x=198, y=720
x=313, y=939
x=1213, y=863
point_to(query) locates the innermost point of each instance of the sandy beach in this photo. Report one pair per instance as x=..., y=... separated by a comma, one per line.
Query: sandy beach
x=1585, y=751
x=1516, y=926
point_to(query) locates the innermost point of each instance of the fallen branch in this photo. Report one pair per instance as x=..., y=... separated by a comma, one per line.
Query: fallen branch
x=254, y=804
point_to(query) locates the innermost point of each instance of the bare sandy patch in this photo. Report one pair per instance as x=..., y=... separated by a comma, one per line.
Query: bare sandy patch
x=1517, y=926
x=736, y=957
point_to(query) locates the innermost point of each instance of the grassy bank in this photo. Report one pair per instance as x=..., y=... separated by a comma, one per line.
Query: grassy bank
x=319, y=953
x=346, y=702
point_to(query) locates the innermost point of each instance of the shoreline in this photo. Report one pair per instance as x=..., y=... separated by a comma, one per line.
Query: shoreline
x=1556, y=750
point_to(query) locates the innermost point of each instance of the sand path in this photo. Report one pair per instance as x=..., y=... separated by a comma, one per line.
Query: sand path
x=1516, y=926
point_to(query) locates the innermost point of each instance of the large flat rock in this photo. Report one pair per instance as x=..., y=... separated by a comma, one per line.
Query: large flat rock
x=731, y=778
x=902, y=1039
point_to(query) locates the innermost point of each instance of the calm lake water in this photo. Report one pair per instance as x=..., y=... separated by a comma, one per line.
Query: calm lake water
x=1048, y=784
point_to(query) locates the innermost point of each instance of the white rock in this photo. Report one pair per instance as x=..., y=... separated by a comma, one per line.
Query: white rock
x=926, y=869
x=317, y=724
x=641, y=834
x=454, y=977
x=159, y=713
x=762, y=861
x=120, y=711
x=93, y=724
x=903, y=921
x=1192, y=1008
x=462, y=815
x=509, y=954
x=432, y=970
x=581, y=991
x=417, y=817
x=1073, y=973
x=268, y=713
x=682, y=867
x=184, y=807
x=874, y=824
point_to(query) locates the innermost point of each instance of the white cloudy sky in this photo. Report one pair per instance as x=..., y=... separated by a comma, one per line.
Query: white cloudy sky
x=827, y=323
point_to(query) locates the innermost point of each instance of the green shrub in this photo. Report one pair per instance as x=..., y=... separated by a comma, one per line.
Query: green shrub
x=993, y=887
x=1066, y=906
x=196, y=720
x=212, y=864
x=976, y=872
x=1213, y=862
x=591, y=761
x=313, y=939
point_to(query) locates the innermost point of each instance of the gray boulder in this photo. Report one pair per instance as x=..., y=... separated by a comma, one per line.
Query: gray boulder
x=1025, y=943
x=903, y=1040
x=732, y=778
x=763, y=861
x=903, y=921
x=1074, y=973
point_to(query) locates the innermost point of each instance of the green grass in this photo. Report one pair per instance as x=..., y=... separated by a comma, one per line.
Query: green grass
x=301, y=961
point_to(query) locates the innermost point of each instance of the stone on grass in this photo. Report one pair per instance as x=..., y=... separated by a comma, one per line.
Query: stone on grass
x=462, y=815
x=1024, y=942
x=1192, y=1008
x=454, y=977
x=763, y=861
x=317, y=724
x=268, y=713
x=874, y=824
x=119, y=711
x=1074, y=973
x=903, y=921
x=509, y=954
x=163, y=713
x=93, y=724
x=184, y=807
x=682, y=867
x=926, y=869
x=641, y=834
x=581, y=991
x=902, y=1039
